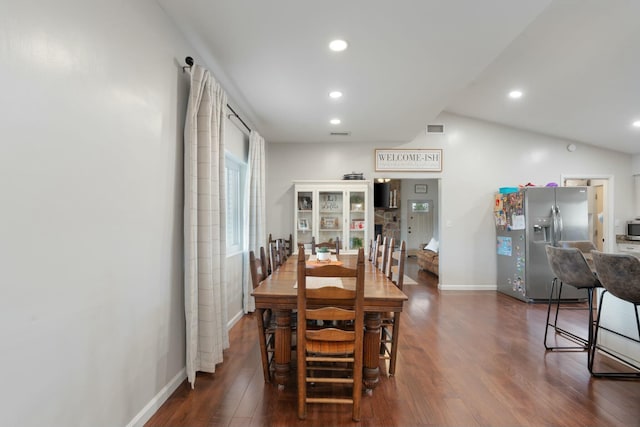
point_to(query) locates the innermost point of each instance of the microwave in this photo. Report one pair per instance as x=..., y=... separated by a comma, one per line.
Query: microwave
x=633, y=230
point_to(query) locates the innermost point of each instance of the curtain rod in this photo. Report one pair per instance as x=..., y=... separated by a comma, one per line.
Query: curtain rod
x=234, y=114
x=189, y=61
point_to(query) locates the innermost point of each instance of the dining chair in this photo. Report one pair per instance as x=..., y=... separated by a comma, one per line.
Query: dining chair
x=373, y=254
x=570, y=267
x=381, y=259
x=335, y=345
x=264, y=317
x=390, y=326
x=333, y=245
x=620, y=277
x=283, y=252
x=387, y=263
x=288, y=245
x=584, y=246
x=275, y=258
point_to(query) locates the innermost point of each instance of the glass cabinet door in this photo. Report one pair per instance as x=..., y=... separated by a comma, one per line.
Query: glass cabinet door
x=357, y=221
x=304, y=225
x=330, y=218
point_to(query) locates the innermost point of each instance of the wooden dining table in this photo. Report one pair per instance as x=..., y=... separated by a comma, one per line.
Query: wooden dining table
x=278, y=292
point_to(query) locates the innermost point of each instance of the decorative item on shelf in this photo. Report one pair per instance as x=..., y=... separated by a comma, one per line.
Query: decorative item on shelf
x=323, y=254
x=357, y=224
x=331, y=202
x=357, y=203
x=356, y=243
x=353, y=176
x=329, y=222
x=303, y=225
x=304, y=203
x=393, y=199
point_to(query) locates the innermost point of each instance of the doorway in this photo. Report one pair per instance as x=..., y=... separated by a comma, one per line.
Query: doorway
x=601, y=226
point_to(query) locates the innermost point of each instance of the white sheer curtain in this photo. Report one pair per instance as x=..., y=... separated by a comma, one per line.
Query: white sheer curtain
x=205, y=287
x=256, y=206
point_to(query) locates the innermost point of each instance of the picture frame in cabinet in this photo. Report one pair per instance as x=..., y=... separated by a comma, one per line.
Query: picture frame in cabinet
x=304, y=203
x=303, y=224
x=329, y=222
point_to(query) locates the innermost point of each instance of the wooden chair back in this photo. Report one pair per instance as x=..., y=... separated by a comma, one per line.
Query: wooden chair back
x=381, y=259
x=339, y=340
x=373, y=255
x=288, y=246
x=257, y=267
x=395, y=267
x=387, y=261
x=276, y=259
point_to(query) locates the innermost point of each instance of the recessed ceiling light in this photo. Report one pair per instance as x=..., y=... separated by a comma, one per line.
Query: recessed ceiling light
x=636, y=124
x=335, y=94
x=515, y=94
x=334, y=121
x=338, y=45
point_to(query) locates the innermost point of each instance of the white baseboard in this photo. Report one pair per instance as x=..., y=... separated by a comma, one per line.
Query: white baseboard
x=156, y=402
x=444, y=287
x=235, y=319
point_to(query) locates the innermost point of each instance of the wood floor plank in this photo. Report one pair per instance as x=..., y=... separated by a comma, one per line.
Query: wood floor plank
x=465, y=359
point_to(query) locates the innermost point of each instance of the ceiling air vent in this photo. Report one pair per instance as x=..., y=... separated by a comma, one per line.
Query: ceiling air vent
x=435, y=128
x=340, y=133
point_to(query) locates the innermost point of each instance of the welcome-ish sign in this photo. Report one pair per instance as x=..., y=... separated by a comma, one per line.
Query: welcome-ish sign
x=417, y=160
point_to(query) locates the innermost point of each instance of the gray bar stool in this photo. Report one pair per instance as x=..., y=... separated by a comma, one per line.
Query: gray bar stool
x=570, y=268
x=620, y=276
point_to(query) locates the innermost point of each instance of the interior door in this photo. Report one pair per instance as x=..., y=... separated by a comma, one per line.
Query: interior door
x=419, y=224
x=599, y=219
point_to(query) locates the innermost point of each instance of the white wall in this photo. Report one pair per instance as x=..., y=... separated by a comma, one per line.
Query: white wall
x=635, y=167
x=91, y=301
x=478, y=158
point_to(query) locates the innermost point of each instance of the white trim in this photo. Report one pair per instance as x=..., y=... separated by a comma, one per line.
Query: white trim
x=234, y=319
x=444, y=287
x=156, y=402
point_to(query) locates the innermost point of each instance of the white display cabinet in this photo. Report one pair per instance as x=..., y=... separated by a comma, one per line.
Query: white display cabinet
x=330, y=210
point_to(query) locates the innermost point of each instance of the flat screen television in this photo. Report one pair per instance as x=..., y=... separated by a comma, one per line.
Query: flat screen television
x=381, y=194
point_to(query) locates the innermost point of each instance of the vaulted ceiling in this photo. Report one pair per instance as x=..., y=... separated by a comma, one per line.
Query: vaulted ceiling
x=575, y=61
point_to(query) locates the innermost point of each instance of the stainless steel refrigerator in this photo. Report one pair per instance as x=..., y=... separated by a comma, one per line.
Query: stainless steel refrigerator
x=526, y=221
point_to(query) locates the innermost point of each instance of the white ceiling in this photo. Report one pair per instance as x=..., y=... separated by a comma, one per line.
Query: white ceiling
x=577, y=62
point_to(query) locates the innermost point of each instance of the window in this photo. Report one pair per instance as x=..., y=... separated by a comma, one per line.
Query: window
x=235, y=195
x=419, y=206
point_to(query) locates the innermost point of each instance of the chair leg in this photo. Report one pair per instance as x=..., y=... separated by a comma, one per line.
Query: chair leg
x=584, y=344
x=595, y=347
x=394, y=343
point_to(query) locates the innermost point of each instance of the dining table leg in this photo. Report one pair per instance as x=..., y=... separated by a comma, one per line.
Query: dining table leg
x=371, y=362
x=283, y=347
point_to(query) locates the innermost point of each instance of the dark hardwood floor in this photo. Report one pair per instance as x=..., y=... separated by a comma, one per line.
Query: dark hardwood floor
x=466, y=358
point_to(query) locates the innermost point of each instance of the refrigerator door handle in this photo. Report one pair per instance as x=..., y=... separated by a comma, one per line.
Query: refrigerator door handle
x=560, y=225
x=554, y=225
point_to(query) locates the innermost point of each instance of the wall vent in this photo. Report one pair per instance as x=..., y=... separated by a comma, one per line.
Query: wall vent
x=435, y=128
x=340, y=133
